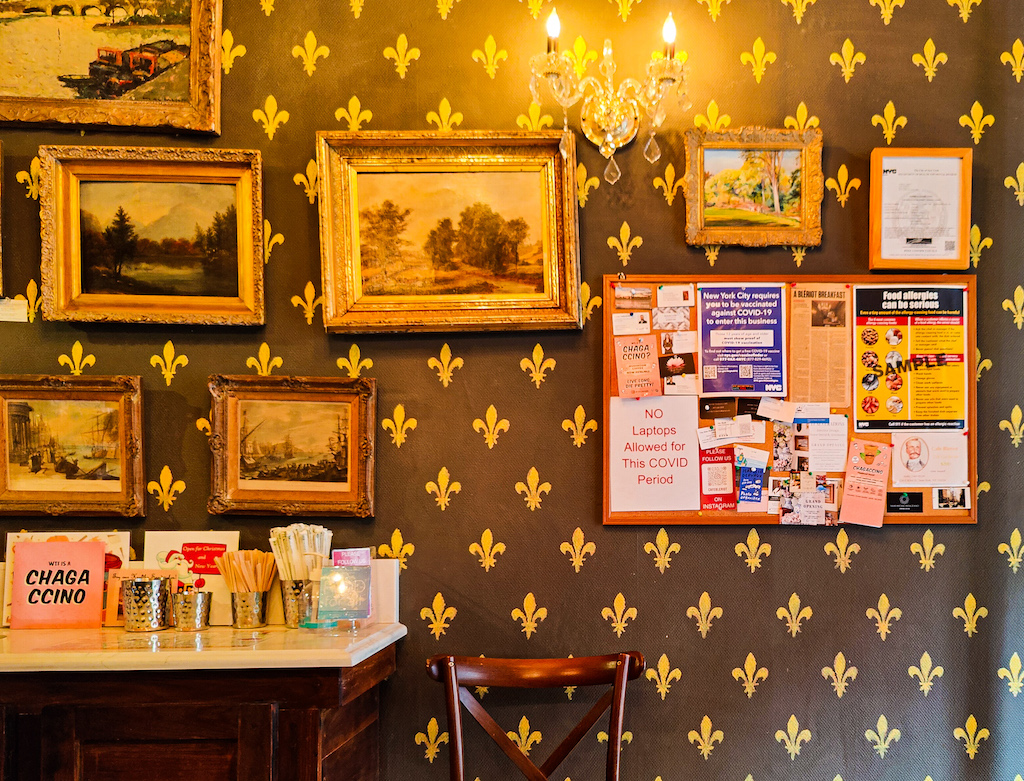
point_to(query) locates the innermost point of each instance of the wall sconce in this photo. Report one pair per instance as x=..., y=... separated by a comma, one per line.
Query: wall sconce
x=611, y=116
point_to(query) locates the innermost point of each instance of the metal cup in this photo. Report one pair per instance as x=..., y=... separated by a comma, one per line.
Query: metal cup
x=191, y=610
x=291, y=591
x=248, y=609
x=146, y=604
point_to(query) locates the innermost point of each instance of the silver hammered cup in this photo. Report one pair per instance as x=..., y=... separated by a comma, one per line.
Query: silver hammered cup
x=191, y=610
x=146, y=604
x=248, y=609
x=291, y=591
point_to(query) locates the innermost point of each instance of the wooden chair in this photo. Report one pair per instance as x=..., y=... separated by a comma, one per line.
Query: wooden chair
x=459, y=672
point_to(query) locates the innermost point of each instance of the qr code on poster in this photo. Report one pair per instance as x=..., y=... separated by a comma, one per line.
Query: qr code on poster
x=950, y=245
x=746, y=371
x=710, y=372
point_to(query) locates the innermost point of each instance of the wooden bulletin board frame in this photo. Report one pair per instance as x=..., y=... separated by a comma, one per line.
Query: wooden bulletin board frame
x=930, y=515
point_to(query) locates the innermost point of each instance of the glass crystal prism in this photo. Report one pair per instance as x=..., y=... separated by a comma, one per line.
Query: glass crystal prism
x=611, y=171
x=652, y=152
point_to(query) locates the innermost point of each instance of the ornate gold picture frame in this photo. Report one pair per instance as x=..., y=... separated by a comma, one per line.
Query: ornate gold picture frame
x=472, y=231
x=71, y=446
x=754, y=187
x=152, y=235
x=155, y=64
x=292, y=445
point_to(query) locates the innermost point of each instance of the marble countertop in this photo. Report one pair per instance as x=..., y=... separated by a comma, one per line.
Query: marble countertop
x=217, y=648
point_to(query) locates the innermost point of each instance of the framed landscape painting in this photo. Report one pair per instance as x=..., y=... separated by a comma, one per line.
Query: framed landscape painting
x=152, y=235
x=71, y=445
x=421, y=231
x=292, y=445
x=754, y=187
x=132, y=63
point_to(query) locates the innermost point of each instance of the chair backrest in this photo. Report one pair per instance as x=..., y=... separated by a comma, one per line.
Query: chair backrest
x=457, y=673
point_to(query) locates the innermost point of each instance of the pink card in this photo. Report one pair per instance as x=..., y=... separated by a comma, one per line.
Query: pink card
x=867, y=474
x=351, y=557
x=636, y=366
x=58, y=585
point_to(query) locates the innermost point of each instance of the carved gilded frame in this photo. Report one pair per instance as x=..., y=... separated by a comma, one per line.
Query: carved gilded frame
x=201, y=112
x=65, y=496
x=341, y=156
x=1, y=219
x=812, y=188
x=64, y=168
x=233, y=493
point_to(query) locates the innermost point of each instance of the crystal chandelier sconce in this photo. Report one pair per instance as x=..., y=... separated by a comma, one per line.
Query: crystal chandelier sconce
x=611, y=116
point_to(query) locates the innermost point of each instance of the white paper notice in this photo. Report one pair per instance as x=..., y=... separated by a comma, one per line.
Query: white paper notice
x=681, y=385
x=929, y=459
x=631, y=323
x=684, y=342
x=733, y=428
x=13, y=310
x=828, y=444
x=776, y=409
x=653, y=461
x=675, y=295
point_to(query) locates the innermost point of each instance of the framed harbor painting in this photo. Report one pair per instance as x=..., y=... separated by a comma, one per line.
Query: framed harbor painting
x=152, y=235
x=472, y=231
x=71, y=445
x=754, y=187
x=292, y=445
x=132, y=63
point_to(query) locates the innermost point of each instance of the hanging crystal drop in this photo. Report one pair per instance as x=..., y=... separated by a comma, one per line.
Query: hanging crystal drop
x=652, y=152
x=563, y=145
x=611, y=171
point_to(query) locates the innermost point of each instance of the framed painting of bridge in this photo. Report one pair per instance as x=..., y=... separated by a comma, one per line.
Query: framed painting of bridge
x=71, y=446
x=152, y=235
x=292, y=445
x=754, y=187
x=131, y=63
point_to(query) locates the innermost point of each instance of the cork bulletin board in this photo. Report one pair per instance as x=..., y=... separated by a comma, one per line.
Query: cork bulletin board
x=735, y=399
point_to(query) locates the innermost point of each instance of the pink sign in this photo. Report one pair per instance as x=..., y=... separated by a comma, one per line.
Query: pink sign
x=867, y=474
x=58, y=585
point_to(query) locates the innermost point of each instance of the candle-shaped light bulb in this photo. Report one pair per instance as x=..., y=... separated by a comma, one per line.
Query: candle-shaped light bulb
x=554, y=29
x=668, y=32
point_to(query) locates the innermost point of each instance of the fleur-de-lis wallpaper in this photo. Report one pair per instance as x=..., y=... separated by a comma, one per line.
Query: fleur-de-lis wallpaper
x=748, y=634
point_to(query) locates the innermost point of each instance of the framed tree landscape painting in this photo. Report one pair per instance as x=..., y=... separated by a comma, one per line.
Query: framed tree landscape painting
x=152, y=235
x=422, y=231
x=133, y=63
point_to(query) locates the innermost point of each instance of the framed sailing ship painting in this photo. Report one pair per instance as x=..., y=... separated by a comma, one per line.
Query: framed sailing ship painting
x=292, y=445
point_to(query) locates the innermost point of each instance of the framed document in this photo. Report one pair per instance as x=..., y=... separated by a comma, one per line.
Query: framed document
x=920, y=208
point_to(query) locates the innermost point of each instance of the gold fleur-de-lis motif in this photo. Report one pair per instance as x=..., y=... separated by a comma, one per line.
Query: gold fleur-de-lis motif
x=167, y=490
x=538, y=366
x=30, y=178
x=624, y=245
x=590, y=303
x=799, y=8
x=490, y=56
x=579, y=425
x=228, y=51
x=308, y=180
x=203, y=424
x=889, y=121
x=839, y=674
x=525, y=738
x=1015, y=59
x=491, y=427
x=1014, y=675
x=445, y=365
x=799, y=253
x=270, y=240
x=355, y=114
x=168, y=363
x=793, y=736
x=793, y=615
x=926, y=673
x=32, y=297
x=843, y=550
x=983, y=487
x=443, y=490
x=267, y=6
x=581, y=56
x=802, y=120
x=964, y=7
x=488, y=550
x=848, y=60
x=534, y=6
x=570, y=690
x=664, y=676
x=444, y=7
x=970, y=613
x=431, y=739
x=400, y=426
x=714, y=7
x=978, y=244
x=884, y=615
x=711, y=252
x=533, y=488
x=971, y=735
x=887, y=7
x=1013, y=550
x=927, y=550
x=398, y=548
x=750, y=675
x=662, y=550
x=929, y=60
x=355, y=363
x=310, y=52
x=669, y=185
x=584, y=185
x=625, y=6
x=444, y=117
x=842, y=185
x=753, y=549
x=703, y=613
x=530, y=615
x=77, y=362
x=980, y=365
x=270, y=117
x=1016, y=307
x=977, y=121
x=402, y=54
x=356, y=6
x=706, y=738
x=309, y=301
x=1014, y=425
x=533, y=120
x=713, y=121
x=882, y=737
x=1017, y=185
x=263, y=363
x=619, y=614
x=578, y=549
x=758, y=59
x=438, y=615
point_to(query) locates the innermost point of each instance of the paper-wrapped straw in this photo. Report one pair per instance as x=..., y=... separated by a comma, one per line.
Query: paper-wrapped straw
x=294, y=546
